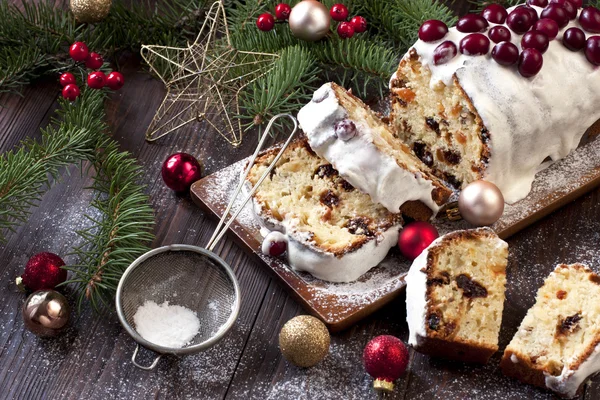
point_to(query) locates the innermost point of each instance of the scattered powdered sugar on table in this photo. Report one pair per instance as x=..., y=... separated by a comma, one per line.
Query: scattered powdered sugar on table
x=166, y=325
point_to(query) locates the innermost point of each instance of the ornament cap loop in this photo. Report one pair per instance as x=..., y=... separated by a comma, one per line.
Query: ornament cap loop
x=383, y=386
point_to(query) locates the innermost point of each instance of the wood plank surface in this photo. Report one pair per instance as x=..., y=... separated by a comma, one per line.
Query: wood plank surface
x=91, y=360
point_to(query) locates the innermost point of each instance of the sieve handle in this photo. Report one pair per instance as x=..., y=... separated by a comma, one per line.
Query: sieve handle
x=149, y=368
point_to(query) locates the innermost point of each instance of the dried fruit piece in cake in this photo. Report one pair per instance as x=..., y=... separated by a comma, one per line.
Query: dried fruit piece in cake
x=333, y=231
x=455, y=296
x=344, y=131
x=557, y=345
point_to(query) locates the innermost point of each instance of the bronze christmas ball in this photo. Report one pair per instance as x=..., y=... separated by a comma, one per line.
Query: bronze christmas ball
x=309, y=20
x=304, y=341
x=46, y=313
x=481, y=203
x=90, y=11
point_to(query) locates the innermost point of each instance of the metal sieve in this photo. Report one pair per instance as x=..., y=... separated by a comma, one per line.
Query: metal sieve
x=191, y=277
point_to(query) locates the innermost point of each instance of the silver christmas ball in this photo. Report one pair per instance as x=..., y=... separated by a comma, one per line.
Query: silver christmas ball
x=309, y=20
x=46, y=313
x=481, y=203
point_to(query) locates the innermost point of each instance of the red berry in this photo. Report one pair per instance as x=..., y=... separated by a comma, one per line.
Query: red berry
x=519, y=20
x=495, y=13
x=345, y=30
x=568, y=7
x=432, y=30
x=577, y=3
x=67, y=78
x=115, y=80
x=590, y=19
x=96, y=80
x=505, y=53
x=574, y=39
x=535, y=40
x=79, y=51
x=472, y=23
x=539, y=3
x=534, y=15
x=592, y=50
x=359, y=24
x=71, y=92
x=339, y=12
x=557, y=13
x=265, y=22
x=94, y=61
x=530, y=62
x=474, y=44
x=444, y=52
x=282, y=11
x=274, y=244
x=547, y=26
x=499, y=34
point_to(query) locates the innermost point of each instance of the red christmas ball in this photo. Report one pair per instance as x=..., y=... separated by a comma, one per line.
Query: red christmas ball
x=43, y=271
x=71, y=92
x=345, y=30
x=94, y=61
x=115, y=80
x=180, y=170
x=67, y=78
x=79, y=51
x=282, y=11
x=359, y=24
x=338, y=12
x=415, y=237
x=265, y=22
x=96, y=80
x=385, y=359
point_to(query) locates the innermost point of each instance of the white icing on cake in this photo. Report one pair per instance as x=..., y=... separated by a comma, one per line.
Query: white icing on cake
x=569, y=380
x=529, y=119
x=358, y=160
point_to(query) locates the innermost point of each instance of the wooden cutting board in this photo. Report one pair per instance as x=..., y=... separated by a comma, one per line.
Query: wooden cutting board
x=340, y=305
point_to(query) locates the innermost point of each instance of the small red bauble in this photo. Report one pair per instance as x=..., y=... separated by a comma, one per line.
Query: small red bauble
x=265, y=22
x=416, y=237
x=94, y=61
x=180, y=170
x=385, y=358
x=338, y=12
x=282, y=11
x=71, y=92
x=96, y=80
x=115, y=80
x=345, y=30
x=79, y=51
x=67, y=78
x=43, y=271
x=359, y=24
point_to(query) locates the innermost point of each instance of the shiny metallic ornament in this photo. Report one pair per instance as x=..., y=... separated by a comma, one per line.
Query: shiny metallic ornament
x=304, y=341
x=46, y=313
x=309, y=20
x=90, y=11
x=481, y=203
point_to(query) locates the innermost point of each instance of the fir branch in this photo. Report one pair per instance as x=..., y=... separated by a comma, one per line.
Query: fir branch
x=479, y=5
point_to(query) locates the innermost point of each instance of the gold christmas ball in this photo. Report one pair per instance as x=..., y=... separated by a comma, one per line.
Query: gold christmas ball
x=46, y=313
x=309, y=20
x=90, y=10
x=481, y=203
x=304, y=341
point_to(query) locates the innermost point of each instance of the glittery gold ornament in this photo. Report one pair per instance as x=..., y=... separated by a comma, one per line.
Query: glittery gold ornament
x=304, y=341
x=90, y=10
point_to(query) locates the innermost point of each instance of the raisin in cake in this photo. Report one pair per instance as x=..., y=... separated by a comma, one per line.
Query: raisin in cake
x=557, y=345
x=334, y=231
x=471, y=118
x=344, y=131
x=455, y=296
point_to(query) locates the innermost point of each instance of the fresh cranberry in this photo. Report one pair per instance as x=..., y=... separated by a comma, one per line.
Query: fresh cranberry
x=574, y=39
x=505, y=53
x=590, y=19
x=535, y=40
x=345, y=30
x=66, y=79
x=472, y=23
x=495, y=13
x=345, y=130
x=432, y=30
x=530, y=62
x=96, y=80
x=265, y=22
x=475, y=44
x=338, y=12
x=557, y=13
x=577, y=3
x=499, y=34
x=282, y=11
x=359, y=23
x=274, y=244
x=547, y=26
x=519, y=20
x=568, y=6
x=444, y=52
x=532, y=12
x=592, y=50
x=539, y=3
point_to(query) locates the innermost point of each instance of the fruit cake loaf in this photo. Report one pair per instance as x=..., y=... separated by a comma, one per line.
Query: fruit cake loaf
x=333, y=231
x=557, y=345
x=455, y=296
x=469, y=117
x=344, y=131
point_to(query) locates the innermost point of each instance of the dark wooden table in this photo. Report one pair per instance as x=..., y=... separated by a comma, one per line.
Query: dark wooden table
x=92, y=359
